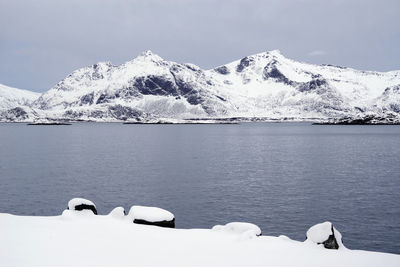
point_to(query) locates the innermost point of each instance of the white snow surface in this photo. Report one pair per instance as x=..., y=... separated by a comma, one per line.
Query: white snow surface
x=84, y=239
x=239, y=228
x=79, y=201
x=150, y=214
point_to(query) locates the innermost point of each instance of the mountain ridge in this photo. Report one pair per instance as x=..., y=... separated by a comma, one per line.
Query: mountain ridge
x=266, y=84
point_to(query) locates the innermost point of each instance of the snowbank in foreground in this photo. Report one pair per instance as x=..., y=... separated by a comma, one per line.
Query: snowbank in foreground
x=81, y=238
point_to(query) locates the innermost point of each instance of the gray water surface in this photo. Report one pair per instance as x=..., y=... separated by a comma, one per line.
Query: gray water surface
x=284, y=177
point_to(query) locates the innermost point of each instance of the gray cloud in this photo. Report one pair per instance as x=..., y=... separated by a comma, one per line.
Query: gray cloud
x=42, y=41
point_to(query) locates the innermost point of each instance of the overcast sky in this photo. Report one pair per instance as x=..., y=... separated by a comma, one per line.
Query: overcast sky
x=42, y=41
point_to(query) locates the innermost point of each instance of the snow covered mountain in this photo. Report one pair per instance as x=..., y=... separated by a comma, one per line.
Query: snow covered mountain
x=11, y=97
x=147, y=86
x=14, y=102
x=262, y=85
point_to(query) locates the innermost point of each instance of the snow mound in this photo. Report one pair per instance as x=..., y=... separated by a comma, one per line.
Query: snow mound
x=239, y=228
x=82, y=204
x=152, y=216
x=69, y=215
x=325, y=234
x=284, y=237
x=118, y=213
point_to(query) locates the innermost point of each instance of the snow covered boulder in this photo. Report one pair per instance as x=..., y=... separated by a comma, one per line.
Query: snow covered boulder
x=80, y=204
x=241, y=228
x=118, y=213
x=152, y=216
x=325, y=234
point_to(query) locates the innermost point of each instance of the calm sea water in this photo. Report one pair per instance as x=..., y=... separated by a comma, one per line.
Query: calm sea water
x=284, y=177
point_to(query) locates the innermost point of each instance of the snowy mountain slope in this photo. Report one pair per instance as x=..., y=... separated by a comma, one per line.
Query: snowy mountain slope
x=14, y=103
x=389, y=100
x=11, y=97
x=261, y=85
x=147, y=86
x=284, y=86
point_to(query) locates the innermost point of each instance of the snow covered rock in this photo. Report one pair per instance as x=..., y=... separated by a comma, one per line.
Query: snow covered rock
x=118, y=213
x=152, y=216
x=241, y=228
x=82, y=204
x=326, y=234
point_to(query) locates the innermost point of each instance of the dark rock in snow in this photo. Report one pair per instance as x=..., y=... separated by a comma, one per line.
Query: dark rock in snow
x=167, y=224
x=222, y=70
x=331, y=242
x=80, y=204
x=86, y=207
x=104, y=98
x=54, y=123
x=387, y=119
x=325, y=234
x=152, y=216
x=244, y=63
x=124, y=113
x=15, y=114
x=87, y=99
x=312, y=85
x=272, y=72
x=155, y=85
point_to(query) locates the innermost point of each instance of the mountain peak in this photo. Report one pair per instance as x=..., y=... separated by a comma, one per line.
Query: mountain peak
x=274, y=52
x=149, y=55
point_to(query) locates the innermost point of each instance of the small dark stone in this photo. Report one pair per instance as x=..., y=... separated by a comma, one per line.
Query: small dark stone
x=221, y=98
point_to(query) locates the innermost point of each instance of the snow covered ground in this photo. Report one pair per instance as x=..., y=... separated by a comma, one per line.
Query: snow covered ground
x=80, y=238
